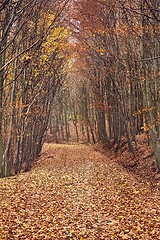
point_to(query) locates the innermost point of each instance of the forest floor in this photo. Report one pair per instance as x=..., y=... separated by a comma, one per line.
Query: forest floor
x=143, y=166
x=76, y=192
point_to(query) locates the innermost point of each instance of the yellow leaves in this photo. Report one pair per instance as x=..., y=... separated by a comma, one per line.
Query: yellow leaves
x=142, y=111
x=55, y=44
x=55, y=39
x=42, y=60
x=101, y=51
x=25, y=57
x=48, y=18
x=145, y=128
x=36, y=72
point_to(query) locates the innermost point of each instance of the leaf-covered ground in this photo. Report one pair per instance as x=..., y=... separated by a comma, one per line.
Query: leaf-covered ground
x=74, y=192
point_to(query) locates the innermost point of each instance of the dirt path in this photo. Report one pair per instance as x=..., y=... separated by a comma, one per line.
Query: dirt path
x=74, y=192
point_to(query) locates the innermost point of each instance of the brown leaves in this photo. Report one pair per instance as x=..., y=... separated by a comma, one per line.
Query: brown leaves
x=74, y=192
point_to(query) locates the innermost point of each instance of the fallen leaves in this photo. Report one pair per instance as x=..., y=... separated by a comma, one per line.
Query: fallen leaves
x=74, y=192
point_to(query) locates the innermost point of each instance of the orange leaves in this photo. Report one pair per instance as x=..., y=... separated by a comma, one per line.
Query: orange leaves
x=74, y=192
x=144, y=110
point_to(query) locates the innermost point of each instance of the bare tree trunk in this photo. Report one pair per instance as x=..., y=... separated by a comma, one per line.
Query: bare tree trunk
x=2, y=76
x=147, y=97
x=75, y=122
x=6, y=157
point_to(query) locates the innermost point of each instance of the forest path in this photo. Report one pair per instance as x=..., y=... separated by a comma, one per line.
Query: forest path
x=75, y=192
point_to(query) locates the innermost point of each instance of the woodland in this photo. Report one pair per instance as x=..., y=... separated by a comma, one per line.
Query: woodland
x=79, y=119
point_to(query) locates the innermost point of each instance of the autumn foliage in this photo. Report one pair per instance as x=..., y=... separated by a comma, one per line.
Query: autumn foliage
x=79, y=120
x=75, y=192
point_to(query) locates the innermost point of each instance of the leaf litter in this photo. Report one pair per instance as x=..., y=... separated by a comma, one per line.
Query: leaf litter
x=75, y=192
